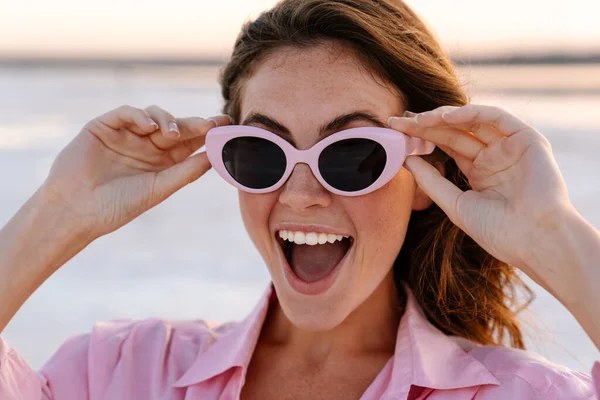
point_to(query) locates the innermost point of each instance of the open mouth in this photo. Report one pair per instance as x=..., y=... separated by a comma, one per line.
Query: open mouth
x=312, y=256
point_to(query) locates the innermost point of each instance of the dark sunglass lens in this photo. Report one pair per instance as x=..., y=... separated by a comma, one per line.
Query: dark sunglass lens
x=352, y=164
x=254, y=162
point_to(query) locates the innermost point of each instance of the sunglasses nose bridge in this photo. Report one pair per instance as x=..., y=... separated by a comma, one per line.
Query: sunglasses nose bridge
x=307, y=157
x=302, y=189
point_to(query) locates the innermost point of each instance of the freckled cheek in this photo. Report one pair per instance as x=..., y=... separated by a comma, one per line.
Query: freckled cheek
x=256, y=210
x=381, y=217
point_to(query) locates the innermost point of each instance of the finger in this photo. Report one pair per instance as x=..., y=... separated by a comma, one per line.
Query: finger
x=195, y=126
x=186, y=148
x=127, y=116
x=443, y=192
x=166, y=122
x=467, y=167
x=438, y=110
x=484, y=132
x=505, y=122
x=189, y=128
x=179, y=175
x=465, y=164
x=460, y=141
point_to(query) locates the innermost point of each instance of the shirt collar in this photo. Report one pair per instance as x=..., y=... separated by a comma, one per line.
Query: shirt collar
x=424, y=356
x=233, y=348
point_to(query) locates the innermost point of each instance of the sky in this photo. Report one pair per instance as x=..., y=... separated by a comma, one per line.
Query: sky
x=209, y=27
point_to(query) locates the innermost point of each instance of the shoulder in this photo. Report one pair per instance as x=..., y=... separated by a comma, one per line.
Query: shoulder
x=149, y=332
x=155, y=347
x=181, y=339
x=528, y=375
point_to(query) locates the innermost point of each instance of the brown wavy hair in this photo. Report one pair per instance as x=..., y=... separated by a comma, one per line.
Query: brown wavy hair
x=462, y=289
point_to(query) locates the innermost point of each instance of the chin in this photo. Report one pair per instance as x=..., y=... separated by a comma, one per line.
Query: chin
x=317, y=314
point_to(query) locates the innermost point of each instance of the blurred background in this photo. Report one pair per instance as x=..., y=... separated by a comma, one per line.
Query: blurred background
x=65, y=62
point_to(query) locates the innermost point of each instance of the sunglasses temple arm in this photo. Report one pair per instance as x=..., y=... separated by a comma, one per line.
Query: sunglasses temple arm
x=418, y=147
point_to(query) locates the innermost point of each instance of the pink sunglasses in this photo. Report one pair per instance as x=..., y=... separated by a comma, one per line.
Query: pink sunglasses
x=351, y=162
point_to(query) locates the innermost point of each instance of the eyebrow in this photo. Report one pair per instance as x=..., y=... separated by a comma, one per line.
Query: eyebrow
x=333, y=126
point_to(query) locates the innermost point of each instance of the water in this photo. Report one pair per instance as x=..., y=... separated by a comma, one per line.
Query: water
x=190, y=257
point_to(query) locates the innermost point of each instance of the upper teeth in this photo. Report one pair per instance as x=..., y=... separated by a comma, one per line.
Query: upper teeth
x=310, y=238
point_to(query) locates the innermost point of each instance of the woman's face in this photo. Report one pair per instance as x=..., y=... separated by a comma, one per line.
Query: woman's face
x=295, y=93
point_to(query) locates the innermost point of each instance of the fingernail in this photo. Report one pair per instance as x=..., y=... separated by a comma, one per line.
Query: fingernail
x=408, y=114
x=391, y=120
x=216, y=119
x=152, y=123
x=173, y=128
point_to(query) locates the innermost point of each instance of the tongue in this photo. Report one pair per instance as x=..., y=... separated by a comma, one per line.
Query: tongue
x=311, y=263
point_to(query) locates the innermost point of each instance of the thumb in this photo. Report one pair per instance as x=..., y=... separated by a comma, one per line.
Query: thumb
x=443, y=192
x=179, y=175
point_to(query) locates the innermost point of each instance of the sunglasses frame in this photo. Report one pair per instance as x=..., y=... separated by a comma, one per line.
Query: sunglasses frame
x=396, y=144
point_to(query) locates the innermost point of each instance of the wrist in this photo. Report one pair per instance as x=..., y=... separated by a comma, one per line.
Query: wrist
x=54, y=208
x=564, y=257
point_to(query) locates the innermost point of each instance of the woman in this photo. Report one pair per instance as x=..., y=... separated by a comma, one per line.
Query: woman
x=387, y=282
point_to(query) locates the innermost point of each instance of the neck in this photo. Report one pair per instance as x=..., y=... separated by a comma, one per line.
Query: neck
x=370, y=329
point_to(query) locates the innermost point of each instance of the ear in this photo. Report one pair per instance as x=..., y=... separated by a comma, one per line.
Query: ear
x=421, y=201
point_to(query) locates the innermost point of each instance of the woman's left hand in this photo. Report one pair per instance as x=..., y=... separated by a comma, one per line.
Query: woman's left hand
x=517, y=189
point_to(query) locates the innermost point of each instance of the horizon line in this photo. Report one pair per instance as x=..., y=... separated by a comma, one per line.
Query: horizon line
x=6, y=60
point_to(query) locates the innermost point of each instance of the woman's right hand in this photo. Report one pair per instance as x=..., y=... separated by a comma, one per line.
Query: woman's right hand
x=125, y=162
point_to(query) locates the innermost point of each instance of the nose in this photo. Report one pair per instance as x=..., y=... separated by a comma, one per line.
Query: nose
x=303, y=191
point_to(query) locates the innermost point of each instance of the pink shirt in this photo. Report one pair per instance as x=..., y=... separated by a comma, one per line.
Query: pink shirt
x=192, y=360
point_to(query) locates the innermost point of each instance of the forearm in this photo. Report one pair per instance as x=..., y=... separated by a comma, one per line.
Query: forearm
x=569, y=256
x=37, y=241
